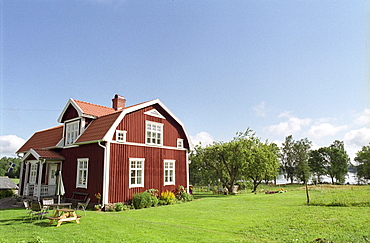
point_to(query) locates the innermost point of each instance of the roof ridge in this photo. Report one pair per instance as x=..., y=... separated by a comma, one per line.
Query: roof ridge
x=51, y=128
x=94, y=104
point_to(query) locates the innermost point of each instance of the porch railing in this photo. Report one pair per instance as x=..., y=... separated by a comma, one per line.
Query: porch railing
x=46, y=190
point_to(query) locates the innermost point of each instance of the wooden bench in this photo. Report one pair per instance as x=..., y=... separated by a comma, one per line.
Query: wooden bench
x=77, y=197
x=52, y=218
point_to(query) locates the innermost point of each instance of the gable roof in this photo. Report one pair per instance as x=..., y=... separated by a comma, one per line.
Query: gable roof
x=6, y=183
x=85, y=109
x=43, y=154
x=94, y=110
x=102, y=128
x=43, y=139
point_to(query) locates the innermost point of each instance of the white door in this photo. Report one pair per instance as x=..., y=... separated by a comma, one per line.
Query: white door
x=52, y=177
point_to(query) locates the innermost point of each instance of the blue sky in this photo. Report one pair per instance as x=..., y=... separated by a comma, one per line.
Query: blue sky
x=278, y=67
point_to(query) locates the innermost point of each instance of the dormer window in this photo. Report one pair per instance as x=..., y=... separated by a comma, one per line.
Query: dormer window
x=72, y=132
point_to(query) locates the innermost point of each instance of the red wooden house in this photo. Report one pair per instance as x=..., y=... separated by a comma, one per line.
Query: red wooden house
x=114, y=151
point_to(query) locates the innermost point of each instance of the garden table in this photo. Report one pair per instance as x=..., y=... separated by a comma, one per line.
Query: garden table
x=63, y=215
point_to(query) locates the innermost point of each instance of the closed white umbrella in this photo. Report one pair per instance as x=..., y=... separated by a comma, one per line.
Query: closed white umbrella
x=59, y=190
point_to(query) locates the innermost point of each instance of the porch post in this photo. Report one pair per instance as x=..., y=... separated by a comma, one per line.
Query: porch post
x=20, y=178
x=26, y=176
x=39, y=179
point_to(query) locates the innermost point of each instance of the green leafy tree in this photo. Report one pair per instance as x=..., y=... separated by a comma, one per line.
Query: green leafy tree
x=363, y=160
x=221, y=162
x=287, y=158
x=316, y=163
x=336, y=161
x=9, y=162
x=263, y=162
x=243, y=157
x=301, y=156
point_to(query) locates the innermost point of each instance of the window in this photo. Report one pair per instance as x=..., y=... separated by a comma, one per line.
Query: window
x=33, y=173
x=136, y=172
x=169, y=172
x=72, y=131
x=154, y=133
x=82, y=172
x=180, y=143
x=121, y=136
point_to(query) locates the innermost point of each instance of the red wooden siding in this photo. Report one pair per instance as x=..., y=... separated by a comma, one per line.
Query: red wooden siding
x=134, y=124
x=95, y=154
x=119, y=190
x=70, y=113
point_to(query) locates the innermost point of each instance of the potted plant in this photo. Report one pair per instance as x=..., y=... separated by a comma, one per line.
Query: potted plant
x=98, y=207
x=98, y=196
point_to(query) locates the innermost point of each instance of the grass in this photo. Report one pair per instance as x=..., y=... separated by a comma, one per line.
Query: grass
x=246, y=217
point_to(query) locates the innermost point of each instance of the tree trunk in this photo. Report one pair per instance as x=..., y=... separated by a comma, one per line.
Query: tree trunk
x=308, y=197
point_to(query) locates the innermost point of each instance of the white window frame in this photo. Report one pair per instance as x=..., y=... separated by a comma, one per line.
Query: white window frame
x=33, y=173
x=154, y=133
x=169, y=172
x=136, y=172
x=82, y=172
x=121, y=136
x=72, y=132
x=180, y=143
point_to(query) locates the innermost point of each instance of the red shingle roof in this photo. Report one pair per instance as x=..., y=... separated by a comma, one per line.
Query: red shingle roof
x=48, y=154
x=98, y=128
x=94, y=110
x=43, y=139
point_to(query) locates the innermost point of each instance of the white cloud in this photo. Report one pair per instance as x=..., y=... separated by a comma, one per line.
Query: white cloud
x=9, y=144
x=260, y=109
x=291, y=126
x=324, y=130
x=202, y=138
x=359, y=137
x=363, y=118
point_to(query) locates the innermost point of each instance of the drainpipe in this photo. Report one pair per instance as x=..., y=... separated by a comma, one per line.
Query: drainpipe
x=106, y=168
x=187, y=171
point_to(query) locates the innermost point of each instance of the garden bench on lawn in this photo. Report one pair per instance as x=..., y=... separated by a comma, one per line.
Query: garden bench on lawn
x=77, y=197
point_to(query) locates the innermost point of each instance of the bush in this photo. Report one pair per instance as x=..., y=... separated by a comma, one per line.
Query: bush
x=119, y=207
x=182, y=195
x=142, y=200
x=154, y=201
x=6, y=193
x=186, y=197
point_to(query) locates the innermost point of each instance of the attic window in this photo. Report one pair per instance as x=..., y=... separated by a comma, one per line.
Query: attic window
x=72, y=132
x=121, y=136
x=154, y=133
x=180, y=143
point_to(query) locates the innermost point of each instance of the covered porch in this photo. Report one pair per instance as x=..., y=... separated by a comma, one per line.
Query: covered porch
x=39, y=173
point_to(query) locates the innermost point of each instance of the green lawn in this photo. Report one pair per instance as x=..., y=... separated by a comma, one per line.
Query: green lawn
x=246, y=217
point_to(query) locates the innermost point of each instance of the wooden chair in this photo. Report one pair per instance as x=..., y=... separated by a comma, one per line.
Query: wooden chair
x=83, y=205
x=37, y=210
x=28, y=209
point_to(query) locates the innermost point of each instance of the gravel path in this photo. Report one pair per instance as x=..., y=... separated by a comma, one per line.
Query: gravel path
x=9, y=202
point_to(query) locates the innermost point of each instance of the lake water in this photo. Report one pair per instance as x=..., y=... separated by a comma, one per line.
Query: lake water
x=351, y=178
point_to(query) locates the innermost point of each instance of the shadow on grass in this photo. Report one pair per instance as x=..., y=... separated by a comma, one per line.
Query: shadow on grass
x=22, y=220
